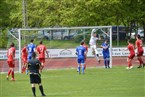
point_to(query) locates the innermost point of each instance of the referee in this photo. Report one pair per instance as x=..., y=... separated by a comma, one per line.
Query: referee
x=34, y=66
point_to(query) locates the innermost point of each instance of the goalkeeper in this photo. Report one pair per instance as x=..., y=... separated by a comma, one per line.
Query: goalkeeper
x=93, y=44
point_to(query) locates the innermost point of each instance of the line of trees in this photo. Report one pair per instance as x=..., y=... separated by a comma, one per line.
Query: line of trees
x=50, y=13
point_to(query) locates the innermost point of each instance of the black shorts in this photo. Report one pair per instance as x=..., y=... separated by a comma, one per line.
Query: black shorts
x=35, y=78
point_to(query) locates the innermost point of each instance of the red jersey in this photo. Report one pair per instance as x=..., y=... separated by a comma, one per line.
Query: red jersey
x=86, y=47
x=11, y=54
x=41, y=50
x=139, y=45
x=24, y=52
x=131, y=48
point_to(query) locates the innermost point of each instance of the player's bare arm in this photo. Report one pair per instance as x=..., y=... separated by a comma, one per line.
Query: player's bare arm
x=47, y=54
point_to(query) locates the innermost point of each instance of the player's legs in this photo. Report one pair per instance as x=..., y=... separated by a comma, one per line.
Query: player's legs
x=41, y=89
x=129, y=63
x=79, y=68
x=33, y=89
x=85, y=63
x=23, y=67
x=13, y=79
x=129, y=60
x=79, y=65
x=105, y=60
x=93, y=50
x=143, y=63
x=96, y=53
x=24, y=64
x=33, y=81
x=42, y=60
x=37, y=80
x=108, y=62
x=139, y=57
x=11, y=70
x=82, y=64
x=140, y=61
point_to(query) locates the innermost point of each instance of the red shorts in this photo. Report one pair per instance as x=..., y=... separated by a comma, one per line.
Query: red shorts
x=11, y=64
x=140, y=53
x=42, y=60
x=131, y=56
x=24, y=59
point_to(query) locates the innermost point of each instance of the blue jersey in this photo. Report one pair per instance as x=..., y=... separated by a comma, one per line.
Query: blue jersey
x=105, y=50
x=31, y=47
x=81, y=52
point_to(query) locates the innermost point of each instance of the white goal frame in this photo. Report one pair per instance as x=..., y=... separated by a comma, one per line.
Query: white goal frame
x=63, y=28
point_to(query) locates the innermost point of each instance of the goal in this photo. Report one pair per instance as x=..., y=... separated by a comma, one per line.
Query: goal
x=56, y=38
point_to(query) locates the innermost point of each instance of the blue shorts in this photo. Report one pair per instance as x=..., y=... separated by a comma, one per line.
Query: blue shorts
x=106, y=55
x=81, y=61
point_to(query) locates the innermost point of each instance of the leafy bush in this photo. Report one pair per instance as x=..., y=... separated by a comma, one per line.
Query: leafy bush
x=3, y=39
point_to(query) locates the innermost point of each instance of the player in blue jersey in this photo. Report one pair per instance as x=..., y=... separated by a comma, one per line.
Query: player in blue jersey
x=81, y=53
x=106, y=54
x=31, y=49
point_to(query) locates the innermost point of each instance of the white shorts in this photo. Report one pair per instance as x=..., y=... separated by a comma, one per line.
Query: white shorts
x=94, y=47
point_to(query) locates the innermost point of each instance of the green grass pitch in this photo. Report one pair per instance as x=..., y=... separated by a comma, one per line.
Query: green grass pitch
x=96, y=82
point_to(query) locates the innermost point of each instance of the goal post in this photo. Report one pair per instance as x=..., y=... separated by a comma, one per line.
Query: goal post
x=109, y=29
x=110, y=47
x=20, y=60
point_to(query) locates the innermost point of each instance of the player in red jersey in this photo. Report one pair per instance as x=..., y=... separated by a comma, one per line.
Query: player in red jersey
x=11, y=61
x=130, y=47
x=140, y=51
x=41, y=49
x=24, y=58
x=84, y=45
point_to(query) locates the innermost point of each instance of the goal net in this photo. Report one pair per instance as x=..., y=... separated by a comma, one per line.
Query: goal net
x=11, y=36
x=61, y=44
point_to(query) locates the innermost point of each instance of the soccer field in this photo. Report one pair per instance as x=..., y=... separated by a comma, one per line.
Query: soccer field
x=96, y=82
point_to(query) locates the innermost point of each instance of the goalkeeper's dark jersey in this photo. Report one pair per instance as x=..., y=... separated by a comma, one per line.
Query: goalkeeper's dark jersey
x=34, y=65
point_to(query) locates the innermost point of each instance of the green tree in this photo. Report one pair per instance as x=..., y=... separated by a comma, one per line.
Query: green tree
x=51, y=13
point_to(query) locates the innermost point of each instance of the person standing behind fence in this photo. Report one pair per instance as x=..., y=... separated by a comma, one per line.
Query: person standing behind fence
x=41, y=49
x=34, y=65
x=11, y=61
x=106, y=54
x=30, y=48
x=93, y=44
x=81, y=53
x=140, y=51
